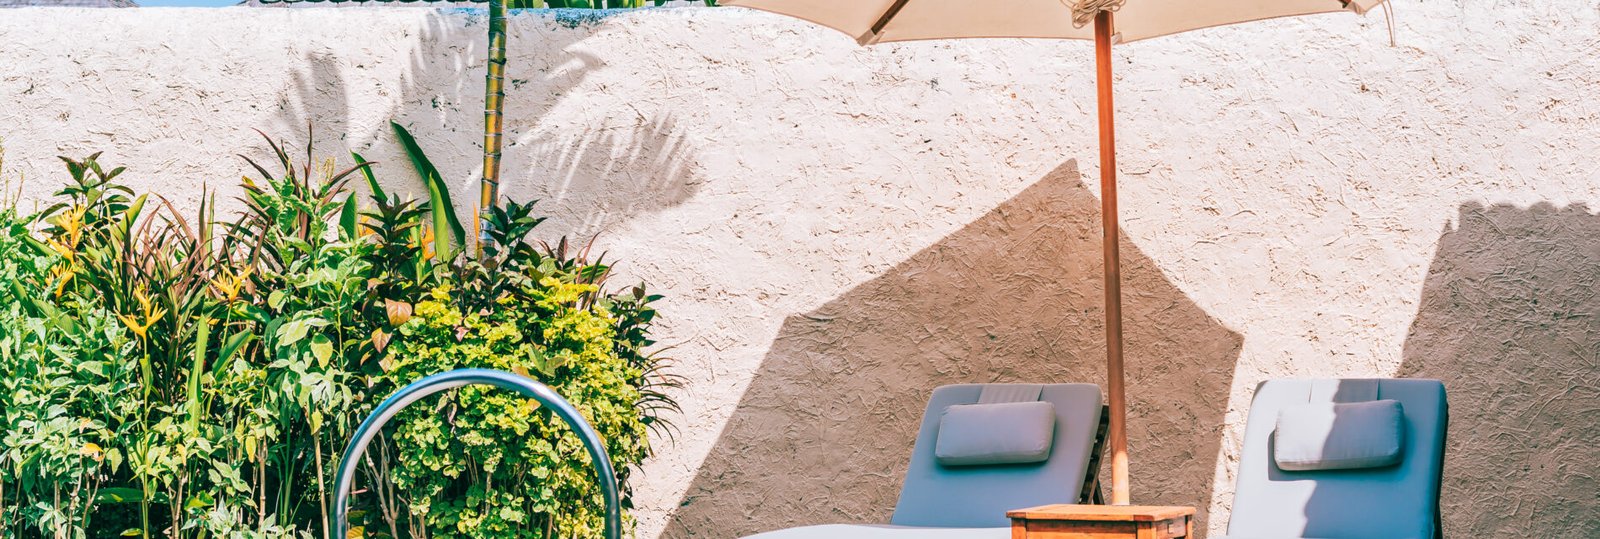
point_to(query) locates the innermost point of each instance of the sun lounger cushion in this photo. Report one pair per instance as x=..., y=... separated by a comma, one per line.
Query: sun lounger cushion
x=1390, y=502
x=998, y=393
x=970, y=502
x=938, y=496
x=853, y=531
x=1339, y=436
x=990, y=434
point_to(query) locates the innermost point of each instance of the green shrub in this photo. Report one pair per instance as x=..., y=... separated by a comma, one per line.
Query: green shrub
x=163, y=375
x=64, y=395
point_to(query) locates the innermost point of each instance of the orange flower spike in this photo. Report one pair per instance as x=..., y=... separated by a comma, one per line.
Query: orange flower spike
x=427, y=244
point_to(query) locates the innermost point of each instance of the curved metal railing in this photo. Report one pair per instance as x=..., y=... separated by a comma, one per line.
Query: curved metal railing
x=457, y=378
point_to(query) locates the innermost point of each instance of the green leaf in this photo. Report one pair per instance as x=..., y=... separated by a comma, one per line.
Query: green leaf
x=347, y=217
x=200, y=499
x=119, y=495
x=252, y=312
x=197, y=368
x=447, y=231
x=231, y=347
x=97, y=368
x=372, y=181
x=322, y=349
x=129, y=216
x=295, y=330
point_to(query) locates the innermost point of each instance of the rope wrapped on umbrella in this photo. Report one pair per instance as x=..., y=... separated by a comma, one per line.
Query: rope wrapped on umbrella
x=1084, y=11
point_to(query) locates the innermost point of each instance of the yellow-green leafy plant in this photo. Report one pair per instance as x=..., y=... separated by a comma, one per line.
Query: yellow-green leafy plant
x=485, y=463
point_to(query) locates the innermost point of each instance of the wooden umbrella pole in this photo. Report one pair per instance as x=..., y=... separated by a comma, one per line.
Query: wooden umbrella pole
x=1108, y=218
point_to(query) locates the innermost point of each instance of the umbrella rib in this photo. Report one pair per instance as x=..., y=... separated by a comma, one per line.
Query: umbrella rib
x=894, y=9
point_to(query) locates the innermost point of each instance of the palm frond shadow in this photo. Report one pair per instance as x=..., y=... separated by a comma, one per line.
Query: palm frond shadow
x=590, y=178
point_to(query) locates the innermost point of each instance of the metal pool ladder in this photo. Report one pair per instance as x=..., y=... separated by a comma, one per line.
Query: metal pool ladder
x=464, y=377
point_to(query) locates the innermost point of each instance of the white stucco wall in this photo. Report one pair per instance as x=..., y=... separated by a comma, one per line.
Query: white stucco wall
x=837, y=229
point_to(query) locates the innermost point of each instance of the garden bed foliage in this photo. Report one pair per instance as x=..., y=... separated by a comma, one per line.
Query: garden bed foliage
x=175, y=375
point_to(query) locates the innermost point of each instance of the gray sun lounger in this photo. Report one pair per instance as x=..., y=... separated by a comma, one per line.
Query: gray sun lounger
x=982, y=450
x=1338, y=459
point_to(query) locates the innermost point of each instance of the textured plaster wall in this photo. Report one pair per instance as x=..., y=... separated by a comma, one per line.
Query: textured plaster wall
x=838, y=229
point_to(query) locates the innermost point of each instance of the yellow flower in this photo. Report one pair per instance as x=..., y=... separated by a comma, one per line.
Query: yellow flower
x=151, y=315
x=228, y=284
x=71, y=223
x=134, y=326
x=62, y=274
x=67, y=252
x=92, y=450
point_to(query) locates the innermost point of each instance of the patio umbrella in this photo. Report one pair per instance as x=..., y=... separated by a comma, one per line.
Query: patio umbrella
x=883, y=21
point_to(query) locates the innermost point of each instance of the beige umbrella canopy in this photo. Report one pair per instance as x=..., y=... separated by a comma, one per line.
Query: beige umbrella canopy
x=882, y=21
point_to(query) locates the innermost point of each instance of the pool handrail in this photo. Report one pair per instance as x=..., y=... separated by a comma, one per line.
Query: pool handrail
x=463, y=377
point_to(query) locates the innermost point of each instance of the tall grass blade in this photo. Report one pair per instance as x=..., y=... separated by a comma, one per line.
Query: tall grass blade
x=372, y=181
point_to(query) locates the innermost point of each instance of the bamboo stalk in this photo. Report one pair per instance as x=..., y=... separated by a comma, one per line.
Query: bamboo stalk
x=493, y=106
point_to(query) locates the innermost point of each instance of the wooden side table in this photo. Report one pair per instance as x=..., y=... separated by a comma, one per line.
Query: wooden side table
x=1102, y=522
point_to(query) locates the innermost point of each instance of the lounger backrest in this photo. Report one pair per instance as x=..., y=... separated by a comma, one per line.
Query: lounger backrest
x=1398, y=501
x=979, y=496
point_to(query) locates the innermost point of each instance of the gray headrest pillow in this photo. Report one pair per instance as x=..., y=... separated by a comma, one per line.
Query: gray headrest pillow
x=1000, y=433
x=1339, y=436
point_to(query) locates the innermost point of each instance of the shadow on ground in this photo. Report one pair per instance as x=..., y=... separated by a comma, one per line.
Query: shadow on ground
x=1510, y=321
x=824, y=431
x=591, y=174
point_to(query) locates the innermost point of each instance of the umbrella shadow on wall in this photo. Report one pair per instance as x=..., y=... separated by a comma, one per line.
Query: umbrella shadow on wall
x=1510, y=321
x=591, y=177
x=824, y=431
